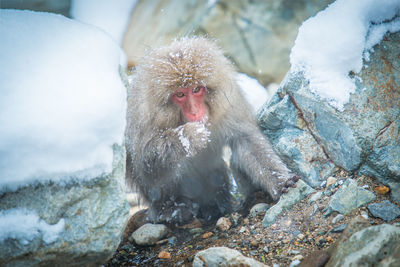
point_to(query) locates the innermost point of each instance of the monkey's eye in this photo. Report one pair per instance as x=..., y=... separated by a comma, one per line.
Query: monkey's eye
x=196, y=90
x=180, y=94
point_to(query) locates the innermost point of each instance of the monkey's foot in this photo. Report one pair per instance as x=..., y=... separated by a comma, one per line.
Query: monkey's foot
x=291, y=182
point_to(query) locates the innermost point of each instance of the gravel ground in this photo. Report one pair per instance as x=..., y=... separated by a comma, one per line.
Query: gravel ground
x=294, y=235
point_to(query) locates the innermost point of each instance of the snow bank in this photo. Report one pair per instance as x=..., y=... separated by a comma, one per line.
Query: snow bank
x=111, y=16
x=25, y=225
x=335, y=42
x=62, y=102
x=252, y=90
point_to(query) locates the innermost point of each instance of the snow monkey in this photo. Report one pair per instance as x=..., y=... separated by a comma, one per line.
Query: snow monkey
x=184, y=106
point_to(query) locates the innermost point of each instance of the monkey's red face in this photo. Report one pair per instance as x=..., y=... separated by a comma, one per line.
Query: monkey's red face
x=191, y=102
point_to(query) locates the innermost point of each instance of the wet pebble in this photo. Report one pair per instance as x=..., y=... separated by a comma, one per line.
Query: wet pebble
x=224, y=224
x=339, y=229
x=337, y=218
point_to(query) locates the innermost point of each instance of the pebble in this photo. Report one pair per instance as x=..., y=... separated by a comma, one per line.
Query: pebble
x=339, y=229
x=315, y=209
x=207, y=235
x=149, y=234
x=258, y=208
x=382, y=189
x=364, y=214
x=330, y=181
x=337, y=218
x=293, y=252
x=298, y=257
x=323, y=184
x=224, y=224
x=384, y=210
x=172, y=240
x=196, y=231
x=294, y=263
x=265, y=248
x=254, y=243
x=301, y=237
x=164, y=255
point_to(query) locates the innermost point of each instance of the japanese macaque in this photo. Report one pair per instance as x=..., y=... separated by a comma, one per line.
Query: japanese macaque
x=184, y=106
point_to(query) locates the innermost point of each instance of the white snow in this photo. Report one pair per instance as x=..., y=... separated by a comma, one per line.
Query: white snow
x=24, y=226
x=252, y=90
x=335, y=42
x=62, y=103
x=111, y=16
x=184, y=141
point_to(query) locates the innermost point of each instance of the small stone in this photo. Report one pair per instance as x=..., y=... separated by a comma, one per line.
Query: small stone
x=196, y=231
x=339, y=229
x=265, y=248
x=364, y=214
x=382, y=189
x=164, y=255
x=329, y=239
x=384, y=210
x=298, y=258
x=301, y=237
x=323, y=184
x=172, y=240
x=254, y=243
x=258, y=208
x=207, y=235
x=149, y=234
x=330, y=181
x=293, y=252
x=337, y=218
x=321, y=232
x=224, y=224
x=246, y=221
x=315, y=209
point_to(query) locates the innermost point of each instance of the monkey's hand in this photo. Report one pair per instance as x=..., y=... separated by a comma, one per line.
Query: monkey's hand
x=194, y=137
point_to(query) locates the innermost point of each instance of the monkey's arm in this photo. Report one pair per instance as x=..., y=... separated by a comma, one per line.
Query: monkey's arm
x=253, y=155
x=166, y=151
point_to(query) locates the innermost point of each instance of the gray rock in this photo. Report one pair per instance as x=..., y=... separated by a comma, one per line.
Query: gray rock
x=286, y=202
x=337, y=218
x=148, y=234
x=258, y=208
x=384, y=210
x=372, y=246
x=312, y=137
x=59, y=7
x=249, y=31
x=223, y=256
x=349, y=197
x=94, y=212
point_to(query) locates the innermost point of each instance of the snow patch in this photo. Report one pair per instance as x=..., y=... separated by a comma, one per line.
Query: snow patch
x=255, y=94
x=24, y=226
x=111, y=16
x=62, y=103
x=334, y=43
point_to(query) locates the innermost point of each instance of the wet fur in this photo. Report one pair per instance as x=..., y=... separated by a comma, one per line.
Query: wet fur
x=158, y=164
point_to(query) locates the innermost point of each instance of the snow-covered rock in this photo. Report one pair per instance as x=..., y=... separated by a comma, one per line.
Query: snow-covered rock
x=62, y=163
x=348, y=117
